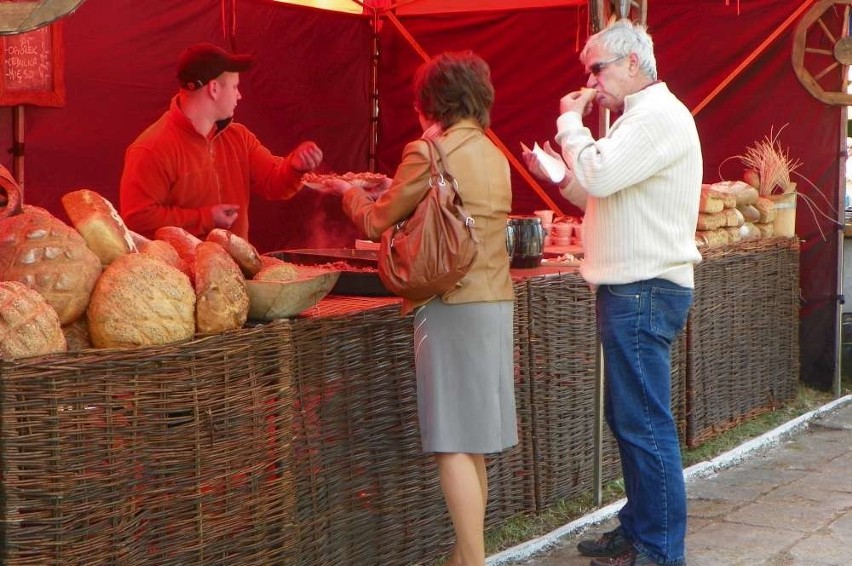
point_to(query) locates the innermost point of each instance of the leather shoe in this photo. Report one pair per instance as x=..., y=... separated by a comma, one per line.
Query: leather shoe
x=609, y=544
x=629, y=557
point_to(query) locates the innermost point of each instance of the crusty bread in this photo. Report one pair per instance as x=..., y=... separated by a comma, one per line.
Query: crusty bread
x=141, y=301
x=184, y=242
x=50, y=257
x=220, y=290
x=241, y=250
x=165, y=252
x=28, y=325
x=275, y=269
x=99, y=223
x=77, y=335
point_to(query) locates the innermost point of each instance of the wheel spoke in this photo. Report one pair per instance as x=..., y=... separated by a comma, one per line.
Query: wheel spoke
x=826, y=71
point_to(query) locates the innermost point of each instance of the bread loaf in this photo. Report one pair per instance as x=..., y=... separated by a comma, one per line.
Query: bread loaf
x=749, y=212
x=709, y=203
x=767, y=211
x=221, y=300
x=241, y=250
x=165, y=252
x=711, y=221
x=275, y=269
x=10, y=194
x=50, y=257
x=767, y=230
x=28, y=325
x=184, y=242
x=141, y=301
x=77, y=335
x=99, y=223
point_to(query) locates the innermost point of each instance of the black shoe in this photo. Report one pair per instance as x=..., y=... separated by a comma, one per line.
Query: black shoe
x=627, y=558
x=610, y=544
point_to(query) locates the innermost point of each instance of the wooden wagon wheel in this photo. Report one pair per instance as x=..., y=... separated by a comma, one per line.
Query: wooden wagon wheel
x=604, y=11
x=822, y=51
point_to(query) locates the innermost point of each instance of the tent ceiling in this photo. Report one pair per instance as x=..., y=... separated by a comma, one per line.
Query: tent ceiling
x=432, y=6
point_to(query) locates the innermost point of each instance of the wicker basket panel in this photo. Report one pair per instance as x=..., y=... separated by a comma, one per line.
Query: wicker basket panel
x=562, y=382
x=161, y=455
x=743, y=353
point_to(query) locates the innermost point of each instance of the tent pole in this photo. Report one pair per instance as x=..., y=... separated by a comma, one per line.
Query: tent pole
x=752, y=56
x=374, y=95
x=18, y=145
x=841, y=236
x=489, y=132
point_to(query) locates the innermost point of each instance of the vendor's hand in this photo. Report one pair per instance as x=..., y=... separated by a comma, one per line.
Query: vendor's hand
x=224, y=215
x=306, y=157
x=580, y=101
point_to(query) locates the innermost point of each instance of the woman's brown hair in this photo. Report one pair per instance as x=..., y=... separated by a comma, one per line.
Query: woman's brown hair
x=454, y=86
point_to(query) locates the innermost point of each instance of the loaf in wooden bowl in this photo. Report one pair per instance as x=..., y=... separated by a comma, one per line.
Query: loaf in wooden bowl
x=28, y=325
x=220, y=290
x=141, y=301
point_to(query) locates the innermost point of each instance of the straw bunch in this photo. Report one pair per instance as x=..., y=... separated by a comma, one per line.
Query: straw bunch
x=771, y=164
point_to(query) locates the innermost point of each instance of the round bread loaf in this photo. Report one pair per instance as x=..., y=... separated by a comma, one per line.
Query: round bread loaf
x=50, y=257
x=141, y=301
x=184, y=242
x=275, y=269
x=165, y=252
x=99, y=223
x=77, y=335
x=241, y=250
x=222, y=302
x=28, y=325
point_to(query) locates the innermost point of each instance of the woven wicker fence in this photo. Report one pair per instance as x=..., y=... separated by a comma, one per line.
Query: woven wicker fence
x=173, y=455
x=743, y=355
x=366, y=492
x=562, y=364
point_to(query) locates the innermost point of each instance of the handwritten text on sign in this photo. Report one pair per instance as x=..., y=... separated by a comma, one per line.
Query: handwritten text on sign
x=28, y=61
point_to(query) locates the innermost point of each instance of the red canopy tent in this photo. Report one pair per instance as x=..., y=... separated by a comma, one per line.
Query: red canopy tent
x=313, y=80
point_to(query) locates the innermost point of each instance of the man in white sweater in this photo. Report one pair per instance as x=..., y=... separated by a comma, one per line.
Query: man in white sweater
x=639, y=186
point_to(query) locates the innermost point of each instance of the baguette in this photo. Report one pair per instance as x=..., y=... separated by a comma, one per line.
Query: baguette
x=239, y=249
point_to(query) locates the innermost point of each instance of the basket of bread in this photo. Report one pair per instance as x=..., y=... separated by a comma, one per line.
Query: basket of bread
x=95, y=283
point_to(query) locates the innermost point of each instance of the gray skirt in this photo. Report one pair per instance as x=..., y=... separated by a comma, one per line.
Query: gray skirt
x=465, y=377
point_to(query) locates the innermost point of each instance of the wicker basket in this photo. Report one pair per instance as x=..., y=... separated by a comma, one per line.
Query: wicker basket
x=166, y=455
x=743, y=354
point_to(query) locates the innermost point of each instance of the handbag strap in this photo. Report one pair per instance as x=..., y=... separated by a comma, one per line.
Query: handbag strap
x=441, y=171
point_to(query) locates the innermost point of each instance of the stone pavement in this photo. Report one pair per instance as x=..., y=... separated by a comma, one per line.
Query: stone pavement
x=782, y=499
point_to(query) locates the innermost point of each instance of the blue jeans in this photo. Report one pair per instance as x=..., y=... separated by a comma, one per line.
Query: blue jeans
x=638, y=323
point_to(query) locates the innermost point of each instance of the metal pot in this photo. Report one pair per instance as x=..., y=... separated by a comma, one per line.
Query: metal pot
x=525, y=241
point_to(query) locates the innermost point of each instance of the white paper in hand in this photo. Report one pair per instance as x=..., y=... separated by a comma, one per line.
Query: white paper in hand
x=555, y=168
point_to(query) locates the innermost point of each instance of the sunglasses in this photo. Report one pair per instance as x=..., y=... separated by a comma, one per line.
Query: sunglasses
x=596, y=68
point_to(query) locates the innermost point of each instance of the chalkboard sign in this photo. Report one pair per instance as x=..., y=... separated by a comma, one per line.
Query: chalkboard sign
x=32, y=67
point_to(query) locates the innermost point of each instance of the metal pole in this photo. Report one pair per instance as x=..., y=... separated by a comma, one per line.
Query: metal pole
x=841, y=236
x=18, y=146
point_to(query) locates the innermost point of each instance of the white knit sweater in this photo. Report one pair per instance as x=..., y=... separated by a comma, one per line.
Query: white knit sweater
x=640, y=187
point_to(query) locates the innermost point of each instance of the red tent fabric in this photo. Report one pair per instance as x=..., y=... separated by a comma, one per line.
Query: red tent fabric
x=312, y=80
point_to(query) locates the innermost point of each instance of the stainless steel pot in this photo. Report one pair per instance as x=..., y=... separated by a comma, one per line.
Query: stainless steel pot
x=525, y=241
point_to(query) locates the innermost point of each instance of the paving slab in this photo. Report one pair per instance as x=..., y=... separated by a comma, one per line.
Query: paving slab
x=782, y=499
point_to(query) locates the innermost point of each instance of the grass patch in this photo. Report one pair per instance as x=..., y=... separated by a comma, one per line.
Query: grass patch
x=525, y=527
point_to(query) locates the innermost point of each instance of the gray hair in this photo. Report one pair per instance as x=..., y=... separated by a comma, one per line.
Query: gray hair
x=623, y=37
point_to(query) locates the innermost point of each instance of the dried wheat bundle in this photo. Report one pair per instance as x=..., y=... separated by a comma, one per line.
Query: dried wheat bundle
x=771, y=164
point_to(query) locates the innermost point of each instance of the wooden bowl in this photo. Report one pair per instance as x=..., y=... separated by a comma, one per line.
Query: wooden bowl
x=270, y=300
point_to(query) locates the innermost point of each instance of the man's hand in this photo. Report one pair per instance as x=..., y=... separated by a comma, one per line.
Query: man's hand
x=224, y=215
x=306, y=157
x=535, y=167
x=579, y=101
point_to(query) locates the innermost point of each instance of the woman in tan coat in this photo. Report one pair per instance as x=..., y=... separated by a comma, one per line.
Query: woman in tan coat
x=463, y=339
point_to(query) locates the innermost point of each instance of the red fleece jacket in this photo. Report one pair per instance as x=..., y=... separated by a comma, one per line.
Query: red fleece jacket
x=173, y=175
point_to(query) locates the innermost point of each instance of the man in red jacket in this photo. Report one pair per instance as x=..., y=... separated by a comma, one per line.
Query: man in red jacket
x=194, y=167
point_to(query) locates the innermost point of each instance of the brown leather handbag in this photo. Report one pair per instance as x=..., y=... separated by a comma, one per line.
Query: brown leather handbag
x=429, y=252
